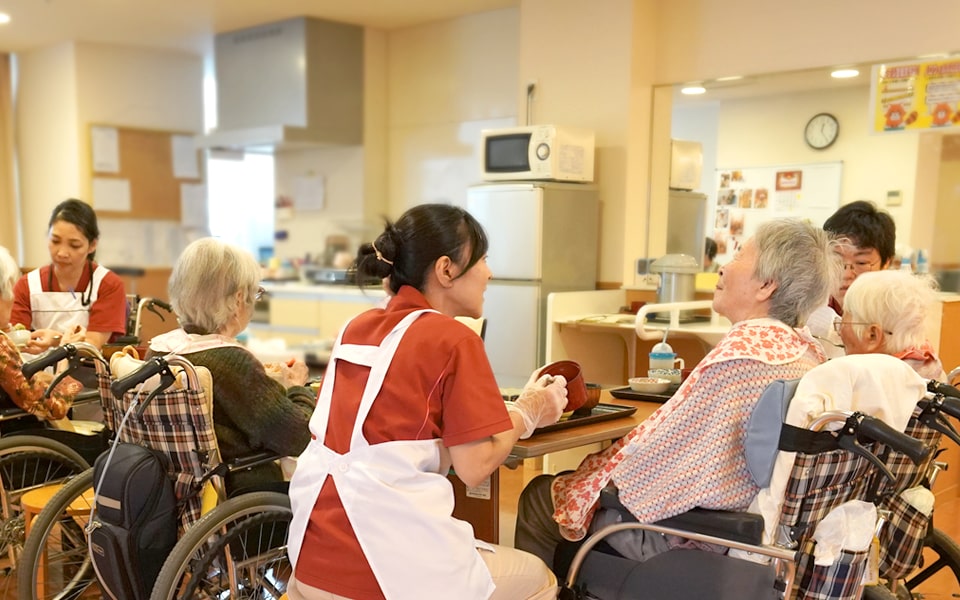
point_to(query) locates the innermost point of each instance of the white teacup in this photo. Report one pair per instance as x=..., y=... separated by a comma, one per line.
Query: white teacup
x=672, y=374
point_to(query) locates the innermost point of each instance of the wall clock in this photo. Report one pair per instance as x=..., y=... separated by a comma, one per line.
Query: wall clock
x=821, y=131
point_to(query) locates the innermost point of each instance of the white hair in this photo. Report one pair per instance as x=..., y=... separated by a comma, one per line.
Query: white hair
x=897, y=301
x=9, y=274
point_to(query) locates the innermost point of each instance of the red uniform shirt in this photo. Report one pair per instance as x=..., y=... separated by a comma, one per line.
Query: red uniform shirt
x=439, y=385
x=107, y=314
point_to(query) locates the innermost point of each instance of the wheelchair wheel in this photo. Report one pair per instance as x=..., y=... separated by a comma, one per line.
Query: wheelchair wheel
x=54, y=562
x=28, y=462
x=947, y=554
x=238, y=550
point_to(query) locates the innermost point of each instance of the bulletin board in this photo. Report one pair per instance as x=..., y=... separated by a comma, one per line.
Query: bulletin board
x=748, y=196
x=147, y=188
x=143, y=173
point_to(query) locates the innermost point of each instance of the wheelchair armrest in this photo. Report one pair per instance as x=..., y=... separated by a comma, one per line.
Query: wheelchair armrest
x=249, y=461
x=743, y=527
x=12, y=412
x=85, y=396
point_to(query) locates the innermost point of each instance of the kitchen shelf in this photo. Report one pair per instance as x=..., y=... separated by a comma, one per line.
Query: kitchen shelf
x=631, y=327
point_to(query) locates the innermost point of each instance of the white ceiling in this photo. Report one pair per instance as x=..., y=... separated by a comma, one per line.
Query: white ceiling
x=191, y=24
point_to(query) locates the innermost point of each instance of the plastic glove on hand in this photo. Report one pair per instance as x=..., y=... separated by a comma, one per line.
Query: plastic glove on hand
x=537, y=381
x=539, y=407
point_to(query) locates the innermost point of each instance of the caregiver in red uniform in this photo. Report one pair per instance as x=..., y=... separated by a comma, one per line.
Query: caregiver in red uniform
x=408, y=392
x=72, y=291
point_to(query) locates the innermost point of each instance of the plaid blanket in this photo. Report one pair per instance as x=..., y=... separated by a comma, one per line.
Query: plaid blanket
x=176, y=423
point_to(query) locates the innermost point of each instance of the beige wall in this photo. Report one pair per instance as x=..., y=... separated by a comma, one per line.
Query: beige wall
x=945, y=244
x=8, y=209
x=701, y=39
x=428, y=91
x=65, y=88
x=579, y=55
x=768, y=131
x=48, y=143
x=445, y=82
x=431, y=88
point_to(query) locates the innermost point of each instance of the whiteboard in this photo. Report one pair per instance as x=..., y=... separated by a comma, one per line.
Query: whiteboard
x=748, y=196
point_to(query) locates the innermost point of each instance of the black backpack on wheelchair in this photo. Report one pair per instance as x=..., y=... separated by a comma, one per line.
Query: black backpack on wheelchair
x=135, y=524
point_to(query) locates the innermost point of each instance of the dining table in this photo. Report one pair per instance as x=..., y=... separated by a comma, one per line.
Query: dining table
x=610, y=420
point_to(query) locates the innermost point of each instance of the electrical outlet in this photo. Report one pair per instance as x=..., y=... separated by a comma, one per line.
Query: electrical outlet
x=650, y=279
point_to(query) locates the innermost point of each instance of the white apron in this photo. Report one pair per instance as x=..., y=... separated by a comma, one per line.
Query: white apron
x=399, y=504
x=61, y=310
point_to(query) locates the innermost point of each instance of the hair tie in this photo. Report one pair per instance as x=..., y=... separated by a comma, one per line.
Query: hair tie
x=380, y=256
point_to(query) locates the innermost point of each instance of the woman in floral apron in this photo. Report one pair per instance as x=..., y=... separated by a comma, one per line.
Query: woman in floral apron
x=689, y=452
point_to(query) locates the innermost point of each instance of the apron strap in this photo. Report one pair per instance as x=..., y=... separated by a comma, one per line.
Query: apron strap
x=378, y=358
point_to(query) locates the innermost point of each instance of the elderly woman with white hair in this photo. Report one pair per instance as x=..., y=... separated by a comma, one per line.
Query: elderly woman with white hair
x=213, y=288
x=885, y=312
x=690, y=452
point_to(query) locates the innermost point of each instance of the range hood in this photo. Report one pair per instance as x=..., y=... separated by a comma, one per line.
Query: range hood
x=291, y=84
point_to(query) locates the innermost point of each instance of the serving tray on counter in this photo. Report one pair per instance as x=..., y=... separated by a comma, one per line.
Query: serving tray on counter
x=600, y=412
x=625, y=393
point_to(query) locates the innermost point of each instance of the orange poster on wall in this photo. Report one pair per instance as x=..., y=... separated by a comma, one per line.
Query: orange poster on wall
x=916, y=95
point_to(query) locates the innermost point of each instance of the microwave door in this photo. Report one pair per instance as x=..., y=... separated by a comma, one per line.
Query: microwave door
x=512, y=216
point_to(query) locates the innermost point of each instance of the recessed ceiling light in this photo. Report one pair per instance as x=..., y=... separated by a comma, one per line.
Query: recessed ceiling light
x=4, y=18
x=730, y=78
x=844, y=73
x=692, y=90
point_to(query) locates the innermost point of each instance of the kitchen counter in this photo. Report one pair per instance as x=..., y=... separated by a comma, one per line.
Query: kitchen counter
x=304, y=313
x=299, y=289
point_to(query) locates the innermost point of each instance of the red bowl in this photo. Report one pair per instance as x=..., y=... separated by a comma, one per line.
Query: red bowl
x=576, y=388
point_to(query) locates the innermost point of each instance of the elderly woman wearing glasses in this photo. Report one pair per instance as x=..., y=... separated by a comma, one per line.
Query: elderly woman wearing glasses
x=867, y=239
x=885, y=312
x=213, y=288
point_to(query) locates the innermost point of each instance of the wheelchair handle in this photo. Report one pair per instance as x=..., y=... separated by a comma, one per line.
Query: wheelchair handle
x=47, y=359
x=150, y=368
x=73, y=352
x=951, y=406
x=876, y=430
x=943, y=389
x=930, y=415
x=154, y=302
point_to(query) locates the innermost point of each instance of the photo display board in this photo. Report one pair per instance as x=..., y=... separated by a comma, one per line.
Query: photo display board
x=749, y=196
x=148, y=191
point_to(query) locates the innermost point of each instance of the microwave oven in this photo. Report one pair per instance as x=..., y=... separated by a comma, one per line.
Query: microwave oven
x=536, y=152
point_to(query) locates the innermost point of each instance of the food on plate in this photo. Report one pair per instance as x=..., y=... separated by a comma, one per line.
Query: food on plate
x=649, y=385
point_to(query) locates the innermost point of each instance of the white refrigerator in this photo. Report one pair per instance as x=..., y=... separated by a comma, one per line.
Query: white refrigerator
x=544, y=238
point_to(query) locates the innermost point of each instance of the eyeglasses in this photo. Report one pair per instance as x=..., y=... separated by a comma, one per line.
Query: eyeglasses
x=860, y=266
x=260, y=293
x=838, y=324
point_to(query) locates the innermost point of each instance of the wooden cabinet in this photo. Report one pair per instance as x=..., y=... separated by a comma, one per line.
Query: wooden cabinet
x=301, y=314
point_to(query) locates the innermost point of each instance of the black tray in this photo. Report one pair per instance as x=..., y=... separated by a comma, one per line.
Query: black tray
x=625, y=393
x=600, y=412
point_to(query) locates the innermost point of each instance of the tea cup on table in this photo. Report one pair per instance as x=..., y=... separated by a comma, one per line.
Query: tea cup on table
x=673, y=375
x=665, y=360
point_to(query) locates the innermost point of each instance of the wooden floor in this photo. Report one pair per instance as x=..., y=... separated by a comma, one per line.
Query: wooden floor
x=941, y=587
x=947, y=518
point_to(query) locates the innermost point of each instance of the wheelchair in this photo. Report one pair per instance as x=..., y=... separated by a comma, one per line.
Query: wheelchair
x=908, y=532
x=227, y=546
x=33, y=455
x=727, y=555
